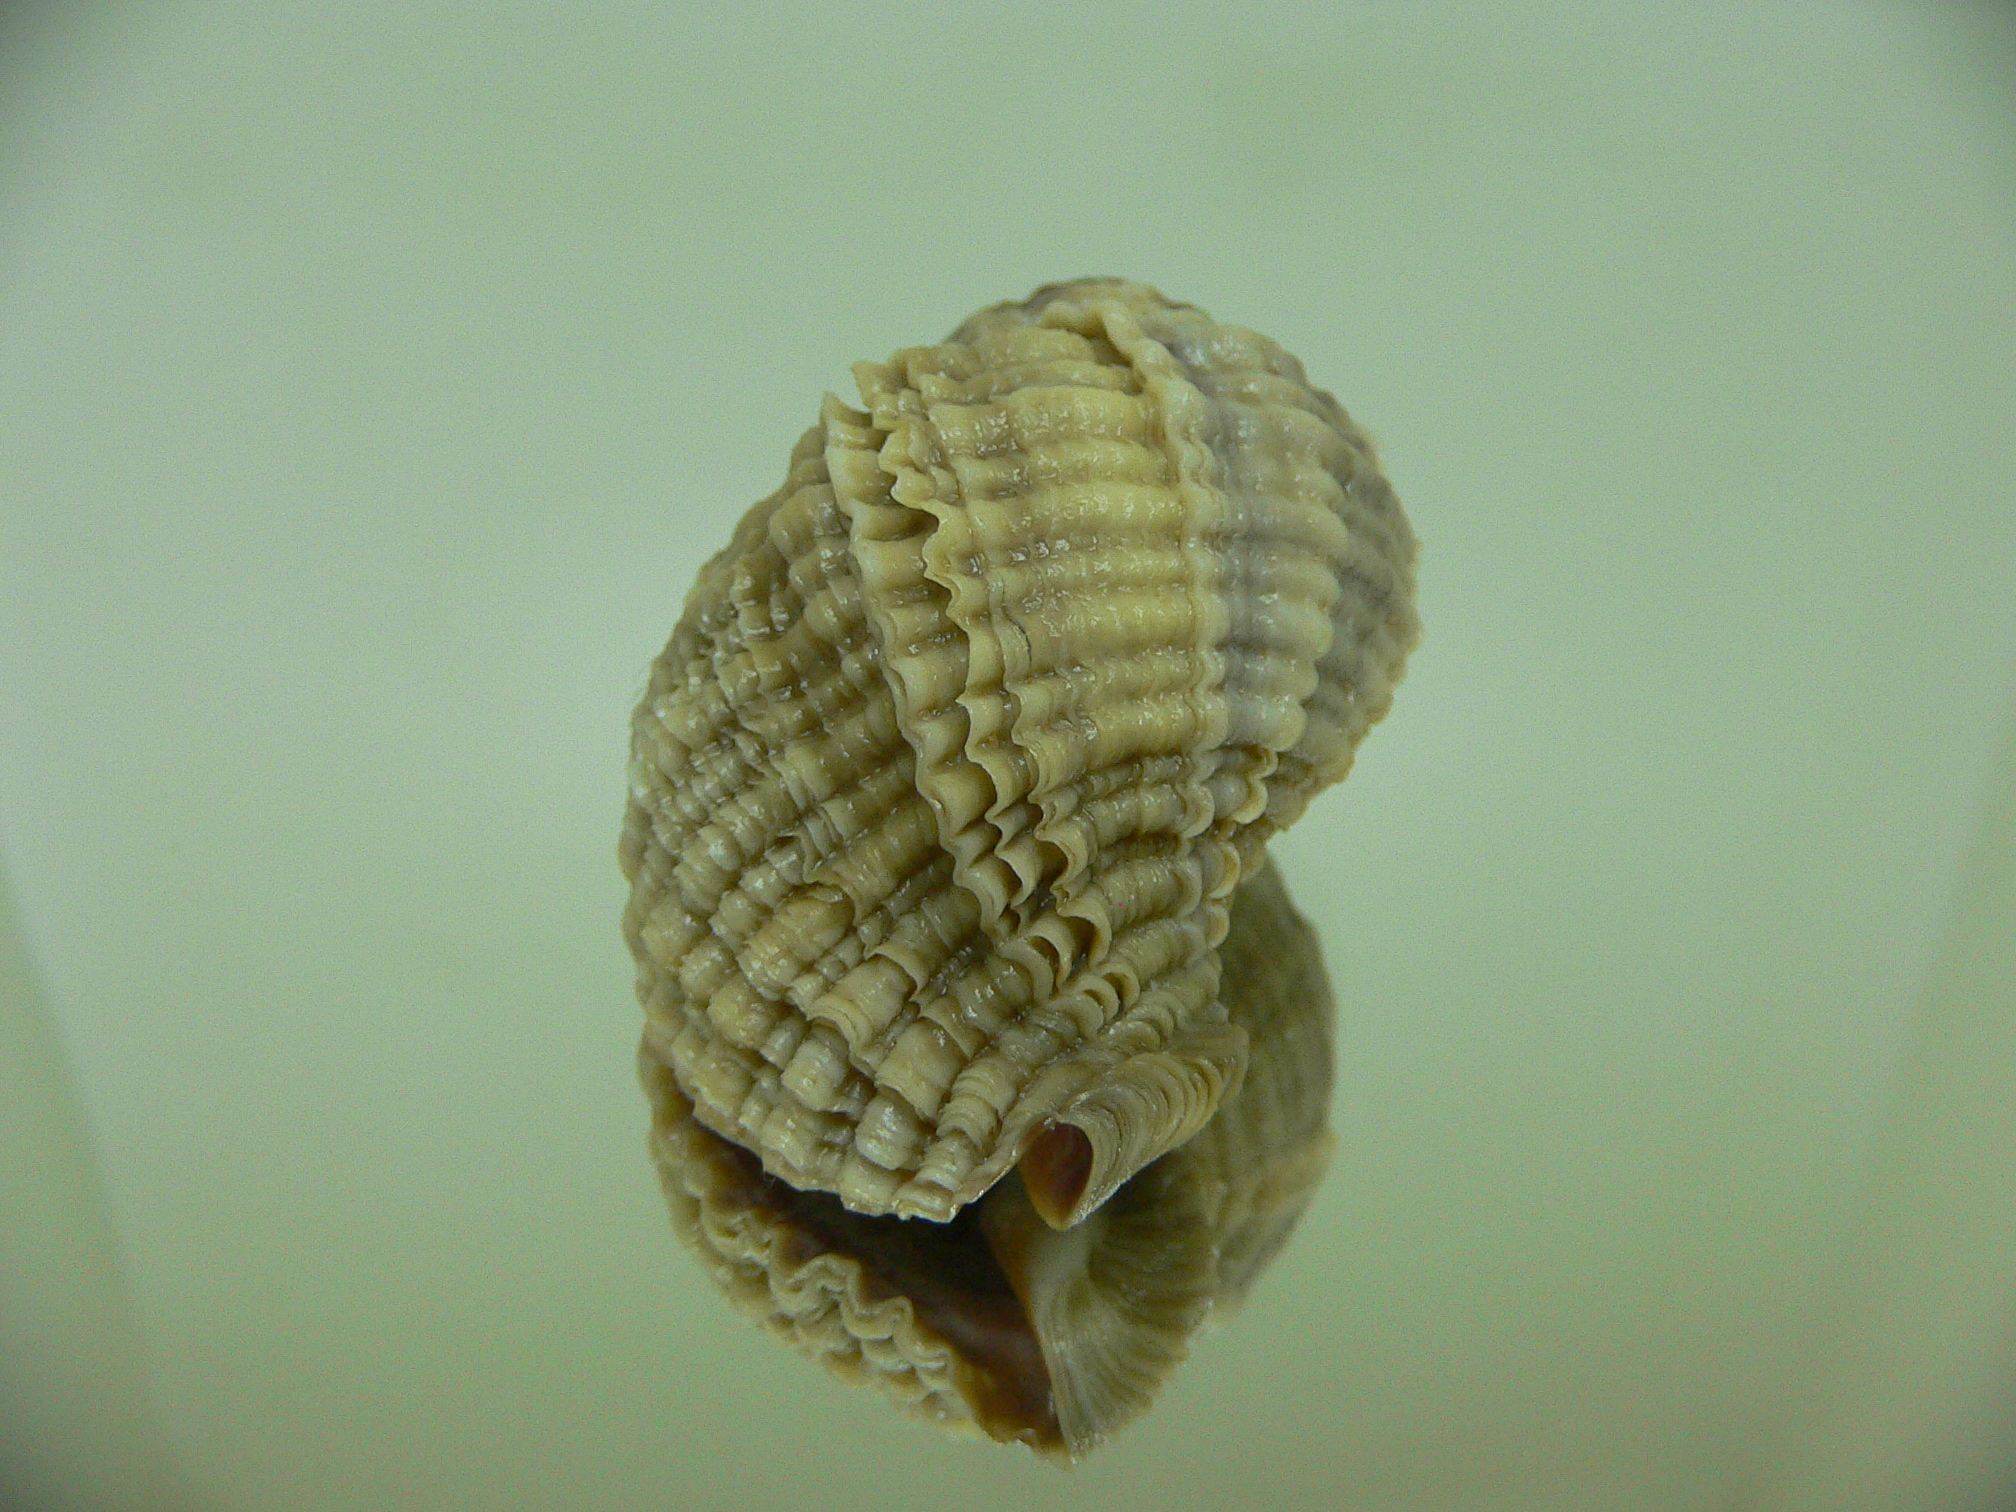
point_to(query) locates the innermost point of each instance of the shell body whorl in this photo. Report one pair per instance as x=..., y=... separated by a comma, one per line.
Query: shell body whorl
x=943, y=783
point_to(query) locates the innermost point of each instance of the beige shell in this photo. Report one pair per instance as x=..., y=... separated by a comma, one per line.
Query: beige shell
x=996, y=1322
x=943, y=783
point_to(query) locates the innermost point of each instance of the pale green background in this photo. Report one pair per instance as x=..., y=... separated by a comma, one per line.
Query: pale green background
x=373, y=379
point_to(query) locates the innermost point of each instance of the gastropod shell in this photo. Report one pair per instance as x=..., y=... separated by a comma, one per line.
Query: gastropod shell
x=986, y=1052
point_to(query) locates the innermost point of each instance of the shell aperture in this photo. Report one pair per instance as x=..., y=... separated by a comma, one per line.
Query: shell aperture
x=942, y=796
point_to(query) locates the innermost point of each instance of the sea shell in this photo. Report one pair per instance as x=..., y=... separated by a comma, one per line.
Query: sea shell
x=942, y=788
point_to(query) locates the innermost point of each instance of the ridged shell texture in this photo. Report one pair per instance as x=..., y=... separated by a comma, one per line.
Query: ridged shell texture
x=943, y=782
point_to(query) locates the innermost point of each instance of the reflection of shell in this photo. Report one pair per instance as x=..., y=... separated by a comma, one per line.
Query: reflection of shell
x=997, y=1321
x=943, y=783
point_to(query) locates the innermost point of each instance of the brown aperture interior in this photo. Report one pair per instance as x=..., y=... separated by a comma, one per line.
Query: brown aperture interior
x=1055, y=1169
x=953, y=1281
